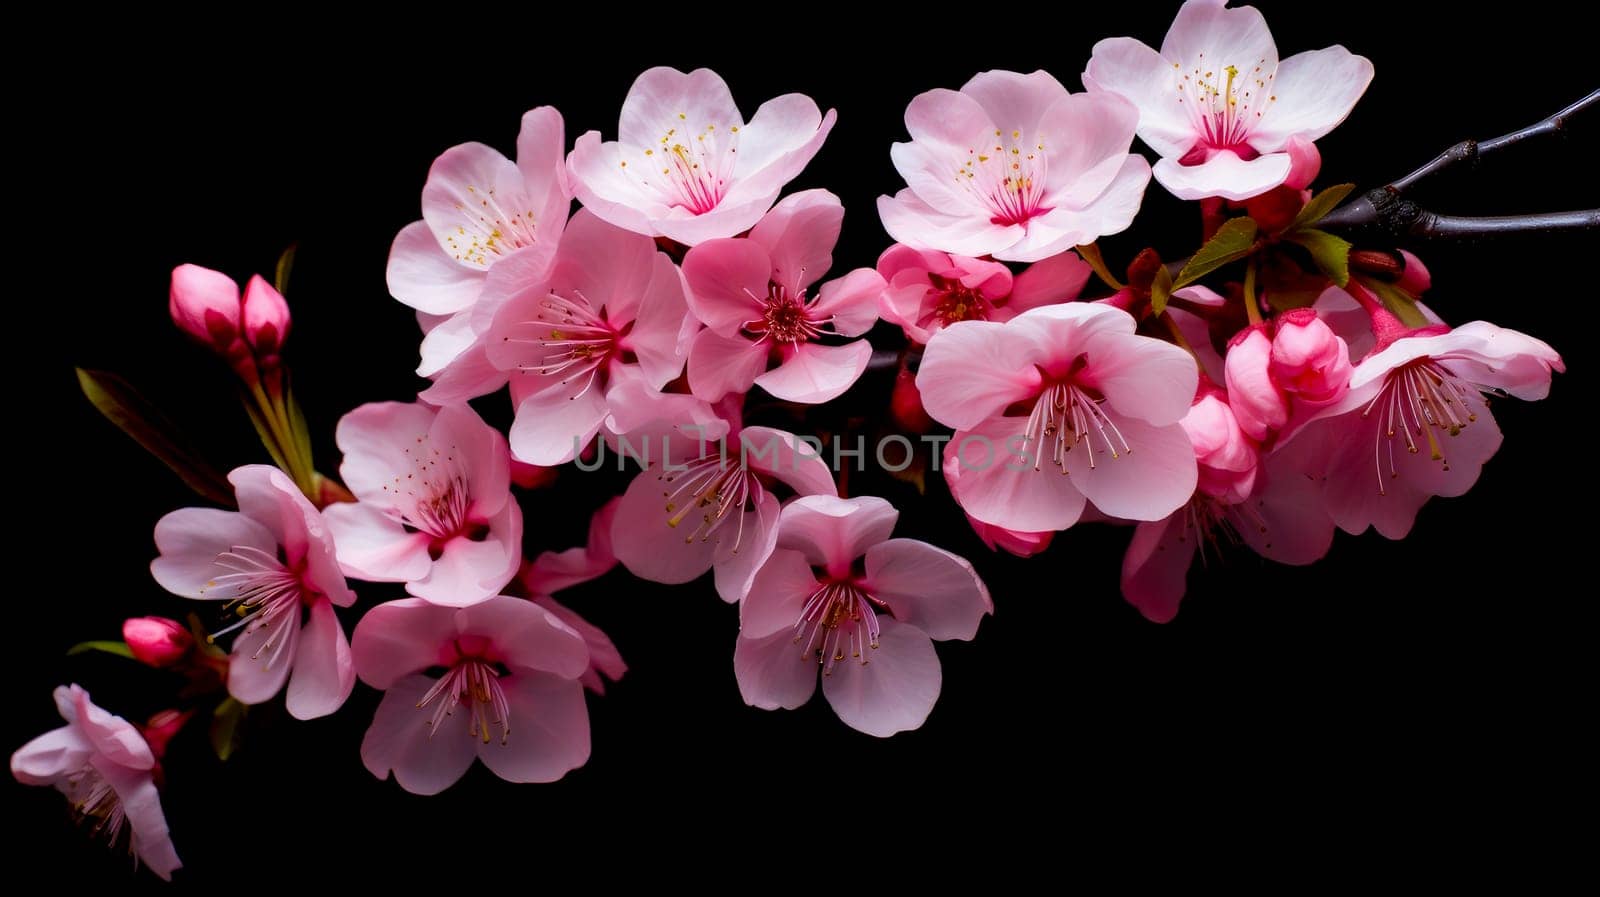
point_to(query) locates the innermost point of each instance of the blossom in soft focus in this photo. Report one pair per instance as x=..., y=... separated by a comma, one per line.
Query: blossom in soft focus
x=157, y=641
x=928, y=289
x=497, y=681
x=479, y=210
x=1062, y=406
x=839, y=596
x=272, y=565
x=754, y=295
x=1415, y=422
x=104, y=767
x=1228, y=118
x=247, y=332
x=553, y=571
x=434, y=507
x=1016, y=167
x=686, y=165
x=611, y=308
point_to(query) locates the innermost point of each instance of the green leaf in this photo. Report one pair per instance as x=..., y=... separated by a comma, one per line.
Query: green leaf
x=227, y=728
x=1402, y=304
x=1160, y=290
x=1331, y=253
x=1320, y=205
x=280, y=276
x=1234, y=240
x=107, y=647
x=1091, y=254
x=134, y=415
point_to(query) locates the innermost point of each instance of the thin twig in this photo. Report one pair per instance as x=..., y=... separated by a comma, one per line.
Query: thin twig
x=1470, y=151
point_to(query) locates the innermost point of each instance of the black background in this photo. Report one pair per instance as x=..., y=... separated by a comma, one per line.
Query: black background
x=1437, y=688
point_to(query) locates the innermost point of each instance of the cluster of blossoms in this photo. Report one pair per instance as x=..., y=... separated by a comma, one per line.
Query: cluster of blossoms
x=1306, y=394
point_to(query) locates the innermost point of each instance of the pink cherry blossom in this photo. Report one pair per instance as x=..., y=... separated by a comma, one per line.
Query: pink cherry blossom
x=611, y=308
x=553, y=571
x=106, y=770
x=248, y=333
x=509, y=693
x=1059, y=390
x=1259, y=403
x=1227, y=458
x=997, y=538
x=752, y=295
x=479, y=209
x=157, y=641
x=1016, y=167
x=686, y=165
x=272, y=562
x=1309, y=361
x=1228, y=118
x=928, y=289
x=709, y=505
x=1414, y=423
x=434, y=507
x=841, y=597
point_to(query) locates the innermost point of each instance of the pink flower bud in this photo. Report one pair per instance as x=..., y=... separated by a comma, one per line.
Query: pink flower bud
x=1258, y=405
x=1309, y=360
x=1305, y=162
x=905, y=404
x=1227, y=457
x=159, y=729
x=532, y=476
x=1415, y=280
x=205, y=304
x=266, y=318
x=157, y=641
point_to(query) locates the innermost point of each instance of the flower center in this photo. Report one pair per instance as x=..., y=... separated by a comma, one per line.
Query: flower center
x=264, y=594
x=1419, y=402
x=475, y=685
x=784, y=318
x=490, y=229
x=956, y=302
x=838, y=619
x=1007, y=177
x=1064, y=416
x=695, y=170
x=96, y=804
x=1224, y=105
x=715, y=489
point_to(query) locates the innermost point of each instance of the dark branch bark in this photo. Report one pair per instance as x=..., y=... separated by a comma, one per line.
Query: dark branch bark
x=1385, y=215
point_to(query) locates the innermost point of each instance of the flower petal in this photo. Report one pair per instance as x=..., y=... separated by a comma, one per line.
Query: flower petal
x=423, y=276
x=526, y=636
x=799, y=235
x=895, y=691
x=727, y=283
x=832, y=532
x=549, y=729
x=324, y=671
x=1224, y=175
x=777, y=595
x=928, y=587
x=719, y=365
x=190, y=539
x=398, y=638
x=401, y=741
x=815, y=373
x=1315, y=91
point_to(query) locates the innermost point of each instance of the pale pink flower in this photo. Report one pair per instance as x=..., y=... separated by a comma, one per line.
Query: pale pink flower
x=1059, y=390
x=928, y=289
x=1309, y=361
x=434, y=507
x=157, y=641
x=610, y=309
x=709, y=505
x=1227, y=458
x=752, y=294
x=1414, y=423
x=997, y=538
x=272, y=563
x=479, y=209
x=1016, y=167
x=553, y=571
x=106, y=770
x=841, y=597
x=1227, y=117
x=686, y=165
x=508, y=693
x=206, y=305
x=1259, y=403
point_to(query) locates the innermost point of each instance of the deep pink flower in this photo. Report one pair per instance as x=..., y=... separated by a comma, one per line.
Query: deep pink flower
x=553, y=571
x=686, y=165
x=1062, y=389
x=611, y=308
x=1227, y=458
x=838, y=595
x=928, y=289
x=1309, y=361
x=1015, y=167
x=752, y=294
x=157, y=641
x=508, y=695
x=1227, y=117
x=104, y=767
x=433, y=509
x=1414, y=423
x=1258, y=402
x=479, y=209
x=272, y=562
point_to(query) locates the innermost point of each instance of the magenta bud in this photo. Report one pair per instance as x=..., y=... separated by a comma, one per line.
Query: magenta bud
x=205, y=304
x=266, y=317
x=157, y=641
x=905, y=404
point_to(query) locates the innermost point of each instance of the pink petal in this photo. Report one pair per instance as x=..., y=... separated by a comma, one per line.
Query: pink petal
x=661, y=98
x=608, y=266
x=189, y=541
x=947, y=119
x=1059, y=278
x=468, y=572
x=541, y=157
x=603, y=185
x=472, y=193
x=799, y=235
x=719, y=365
x=324, y=672
x=773, y=672
x=737, y=559
x=783, y=136
x=1142, y=377
x=1285, y=520
x=783, y=455
x=851, y=301
x=656, y=338
x=973, y=370
x=1128, y=67
x=911, y=220
x=374, y=439
x=892, y=693
x=1224, y=175
x=526, y=636
x=141, y=807
x=50, y=757
x=999, y=485
x=1108, y=213
x=777, y=595
x=928, y=587
x=466, y=376
x=1315, y=91
x=112, y=737
x=1237, y=36
x=816, y=373
x=727, y=283
x=552, y=428
x=832, y=532
x=425, y=277
x=398, y=638
x=549, y=734
x=373, y=546
x=1087, y=136
x=604, y=658
x=1014, y=101
x=738, y=212
x=1149, y=482
x=257, y=669
x=554, y=571
x=400, y=741
x=646, y=544
x=479, y=453
x=1155, y=568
